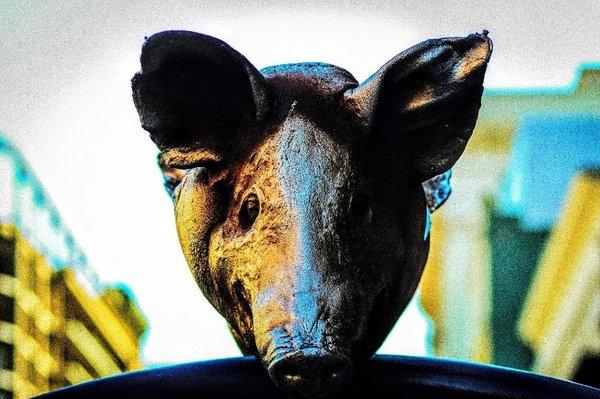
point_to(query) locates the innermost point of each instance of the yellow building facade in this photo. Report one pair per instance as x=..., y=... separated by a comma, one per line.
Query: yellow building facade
x=561, y=316
x=54, y=330
x=58, y=325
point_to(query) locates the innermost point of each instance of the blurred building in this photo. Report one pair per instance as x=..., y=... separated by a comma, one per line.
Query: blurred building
x=560, y=319
x=489, y=240
x=58, y=324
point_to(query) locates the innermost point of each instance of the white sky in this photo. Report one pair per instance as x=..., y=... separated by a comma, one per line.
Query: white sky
x=65, y=101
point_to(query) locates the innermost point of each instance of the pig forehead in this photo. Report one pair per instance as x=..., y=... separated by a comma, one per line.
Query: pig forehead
x=317, y=90
x=298, y=156
x=317, y=77
x=300, y=138
x=308, y=160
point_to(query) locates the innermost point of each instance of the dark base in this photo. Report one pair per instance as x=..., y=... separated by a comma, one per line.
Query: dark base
x=383, y=376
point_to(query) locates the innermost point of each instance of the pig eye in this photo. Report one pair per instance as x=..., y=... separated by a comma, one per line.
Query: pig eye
x=172, y=177
x=249, y=211
x=170, y=186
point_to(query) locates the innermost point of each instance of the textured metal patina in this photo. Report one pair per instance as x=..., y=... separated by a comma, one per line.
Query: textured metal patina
x=299, y=193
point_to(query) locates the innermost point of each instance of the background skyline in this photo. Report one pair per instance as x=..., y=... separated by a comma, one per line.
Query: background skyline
x=67, y=106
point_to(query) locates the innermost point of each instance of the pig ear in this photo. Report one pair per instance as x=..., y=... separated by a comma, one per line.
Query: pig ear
x=172, y=176
x=195, y=91
x=427, y=99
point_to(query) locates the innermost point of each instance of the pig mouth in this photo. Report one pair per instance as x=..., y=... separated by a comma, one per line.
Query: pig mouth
x=310, y=372
x=307, y=367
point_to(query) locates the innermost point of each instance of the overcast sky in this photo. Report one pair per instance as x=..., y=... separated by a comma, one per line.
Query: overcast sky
x=65, y=101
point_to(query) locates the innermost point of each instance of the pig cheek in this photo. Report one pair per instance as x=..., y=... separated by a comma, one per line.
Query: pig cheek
x=197, y=212
x=229, y=285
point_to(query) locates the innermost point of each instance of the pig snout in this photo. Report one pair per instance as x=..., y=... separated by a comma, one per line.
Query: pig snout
x=310, y=371
x=306, y=363
x=300, y=346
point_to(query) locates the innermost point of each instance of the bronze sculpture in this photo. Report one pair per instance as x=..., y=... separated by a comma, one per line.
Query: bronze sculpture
x=298, y=192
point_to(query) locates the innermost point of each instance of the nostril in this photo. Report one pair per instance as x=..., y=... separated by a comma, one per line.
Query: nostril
x=308, y=373
x=290, y=372
x=329, y=372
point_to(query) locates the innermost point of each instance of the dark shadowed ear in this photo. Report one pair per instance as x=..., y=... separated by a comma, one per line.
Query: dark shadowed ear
x=427, y=99
x=194, y=91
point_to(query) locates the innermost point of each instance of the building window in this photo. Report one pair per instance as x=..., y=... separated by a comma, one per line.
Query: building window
x=7, y=308
x=7, y=257
x=5, y=394
x=6, y=356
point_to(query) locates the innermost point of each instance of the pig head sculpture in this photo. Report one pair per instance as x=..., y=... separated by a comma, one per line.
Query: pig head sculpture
x=298, y=192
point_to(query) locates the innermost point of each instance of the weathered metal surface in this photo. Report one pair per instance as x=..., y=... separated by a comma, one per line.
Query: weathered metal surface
x=298, y=193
